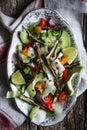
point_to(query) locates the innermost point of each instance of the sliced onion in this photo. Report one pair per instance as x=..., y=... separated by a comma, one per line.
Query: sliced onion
x=60, y=79
x=50, y=23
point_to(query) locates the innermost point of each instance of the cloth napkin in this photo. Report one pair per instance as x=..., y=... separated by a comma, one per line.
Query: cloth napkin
x=72, y=16
x=10, y=116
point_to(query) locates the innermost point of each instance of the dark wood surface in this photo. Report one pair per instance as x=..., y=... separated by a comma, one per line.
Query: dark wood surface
x=77, y=117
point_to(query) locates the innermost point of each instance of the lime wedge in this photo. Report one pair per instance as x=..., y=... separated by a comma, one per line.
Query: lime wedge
x=17, y=78
x=71, y=54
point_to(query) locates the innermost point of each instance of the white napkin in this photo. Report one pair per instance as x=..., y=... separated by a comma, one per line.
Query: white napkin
x=7, y=26
x=74, y=18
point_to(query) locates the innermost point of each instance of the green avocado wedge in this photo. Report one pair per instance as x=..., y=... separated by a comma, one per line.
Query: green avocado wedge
x=31, y=90
x=23, y=37
x=65, y=39
x=33, y=112
x=71, y=76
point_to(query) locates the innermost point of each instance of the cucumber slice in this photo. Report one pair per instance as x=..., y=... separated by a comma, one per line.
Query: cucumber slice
x=65, y=40
x=23, y=37
x=17, y=78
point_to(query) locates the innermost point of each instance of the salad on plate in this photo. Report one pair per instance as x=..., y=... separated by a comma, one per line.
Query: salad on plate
x=46, y=65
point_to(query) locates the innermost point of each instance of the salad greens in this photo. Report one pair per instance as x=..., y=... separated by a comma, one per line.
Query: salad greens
x=45, y=67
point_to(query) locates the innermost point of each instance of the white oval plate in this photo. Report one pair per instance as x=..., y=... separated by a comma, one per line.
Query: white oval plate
x=33, y=17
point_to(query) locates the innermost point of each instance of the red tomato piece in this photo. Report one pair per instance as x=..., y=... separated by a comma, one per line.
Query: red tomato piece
x=62, y=96
x=50, y=106
x=65, y=73
x=48, y=100
x=42, y=22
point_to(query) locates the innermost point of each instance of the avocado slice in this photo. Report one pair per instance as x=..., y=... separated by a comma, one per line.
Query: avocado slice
x=23, y=37
x=75, y=69
x=31, y=90
x=72, y=74
x=65, y=39
x=27, y=70
x=70, y=88
x=33, y=112
x=37, y=115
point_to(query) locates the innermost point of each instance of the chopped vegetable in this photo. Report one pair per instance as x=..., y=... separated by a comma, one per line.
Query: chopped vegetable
x=23, y=37
x=31, y=90
x=49, y=89
x=65, y=74
x=63, y=60
x=33, y=112
x=37, y=29
x=25, y=52
x=40, y=86
x=43, y=22
x=36, y=84
x=65, y=39
x=34, y=67
x=37, y=115
x=17, y=78
x=26, y=46
x=27, y=70
x=50, y=23
x=12, y=94
x=71, y=54
x=48, y=100
x=23, y=58
x=62, y=96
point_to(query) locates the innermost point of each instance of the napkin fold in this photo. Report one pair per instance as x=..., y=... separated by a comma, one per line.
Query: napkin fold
x=72, y=16
x=10, y=116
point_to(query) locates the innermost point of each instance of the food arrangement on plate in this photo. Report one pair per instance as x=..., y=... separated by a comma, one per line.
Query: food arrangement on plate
x=45, y=67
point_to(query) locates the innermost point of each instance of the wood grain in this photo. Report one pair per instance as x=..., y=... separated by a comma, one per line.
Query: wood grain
x=77, y=117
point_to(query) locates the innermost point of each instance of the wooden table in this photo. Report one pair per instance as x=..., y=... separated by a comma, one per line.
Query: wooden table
x=77, y=117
